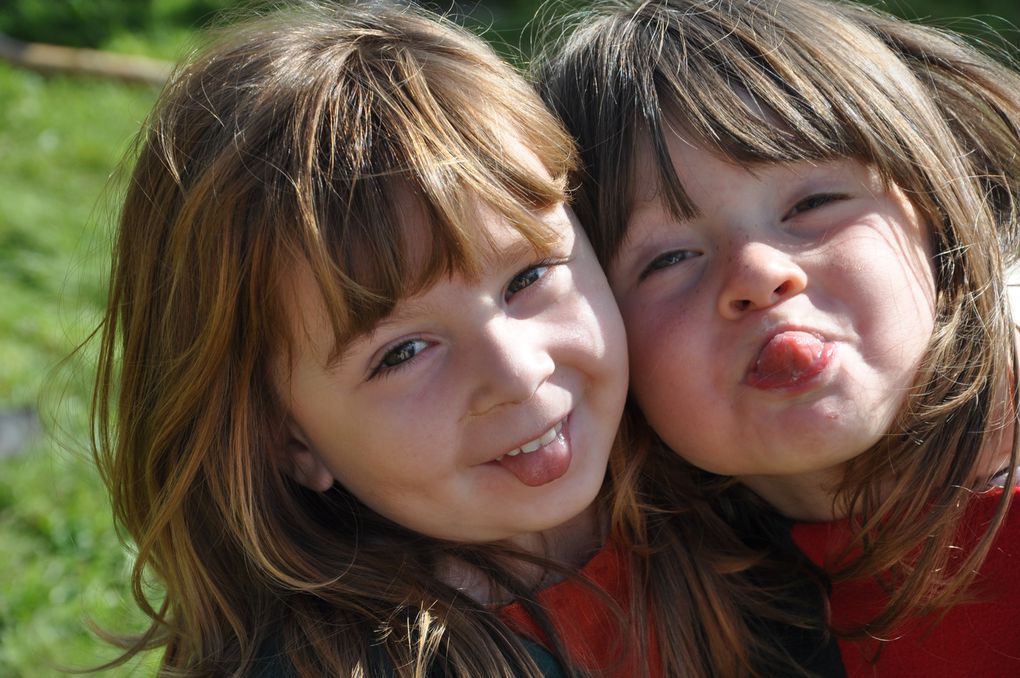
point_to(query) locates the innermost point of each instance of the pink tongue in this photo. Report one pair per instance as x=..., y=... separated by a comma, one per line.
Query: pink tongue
x=787, y=356
x=541, y=466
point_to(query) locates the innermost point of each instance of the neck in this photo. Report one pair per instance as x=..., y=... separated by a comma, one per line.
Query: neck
x=570, y=545
x=805, y=496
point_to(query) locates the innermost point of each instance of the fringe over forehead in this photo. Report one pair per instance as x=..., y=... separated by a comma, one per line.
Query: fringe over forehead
x=303, y=136
x=753, y=80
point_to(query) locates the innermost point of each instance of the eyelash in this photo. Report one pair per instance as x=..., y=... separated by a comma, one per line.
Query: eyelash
x=381, y=369
x=814, y=201
x=544, y=264
x=667, y=259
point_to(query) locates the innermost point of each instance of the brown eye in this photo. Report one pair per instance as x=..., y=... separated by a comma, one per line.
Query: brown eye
x=524, y=279
x=528, y=277
x=400, y=354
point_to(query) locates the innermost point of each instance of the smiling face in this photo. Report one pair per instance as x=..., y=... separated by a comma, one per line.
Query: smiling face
x=479, y=409
x=774, y=334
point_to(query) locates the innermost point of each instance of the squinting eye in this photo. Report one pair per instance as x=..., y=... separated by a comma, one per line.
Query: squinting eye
x=525, y=278
x=400, y=354
x=813, y=202
x=666, y=260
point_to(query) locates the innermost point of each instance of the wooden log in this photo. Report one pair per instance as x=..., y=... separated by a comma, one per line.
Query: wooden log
x=56, y=59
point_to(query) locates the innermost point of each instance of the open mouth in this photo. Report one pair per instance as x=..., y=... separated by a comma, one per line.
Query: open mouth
x=542, y=460
x=533, y=445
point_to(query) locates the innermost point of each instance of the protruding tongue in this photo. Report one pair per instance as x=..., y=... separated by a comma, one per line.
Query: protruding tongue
x=788, y=358
x=542, y=466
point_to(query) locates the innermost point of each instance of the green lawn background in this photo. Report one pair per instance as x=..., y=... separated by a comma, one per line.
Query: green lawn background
x=61, y=139
x=60, y=558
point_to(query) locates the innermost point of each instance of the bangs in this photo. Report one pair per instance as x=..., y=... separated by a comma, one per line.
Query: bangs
x=756, y=87
x=403, y=148
x=368, y=256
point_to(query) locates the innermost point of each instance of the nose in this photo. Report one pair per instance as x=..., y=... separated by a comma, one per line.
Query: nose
x=759, y=276
x=509, y=362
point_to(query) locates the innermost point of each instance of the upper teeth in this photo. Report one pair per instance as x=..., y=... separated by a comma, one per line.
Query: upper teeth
x=538, y=442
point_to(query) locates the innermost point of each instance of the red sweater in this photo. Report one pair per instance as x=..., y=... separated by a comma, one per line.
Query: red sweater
x=974, y=639
x=587, y=627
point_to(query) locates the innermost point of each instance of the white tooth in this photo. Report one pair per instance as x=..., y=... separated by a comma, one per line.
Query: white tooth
x=548, y=437
x=559, y=426
x=527, y=448
x=513, y=453
x=499, y=457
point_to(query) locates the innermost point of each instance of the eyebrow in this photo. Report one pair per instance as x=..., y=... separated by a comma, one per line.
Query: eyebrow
x=520, y=249
x=404, y=310
x=653, y=213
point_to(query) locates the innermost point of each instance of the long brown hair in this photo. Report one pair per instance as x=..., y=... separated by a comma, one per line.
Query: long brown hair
x=936, y=116
x=285, y=140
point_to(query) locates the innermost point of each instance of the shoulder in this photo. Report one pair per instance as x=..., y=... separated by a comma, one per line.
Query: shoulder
x=982, y=511
x=978, y=636
x=1003, y=560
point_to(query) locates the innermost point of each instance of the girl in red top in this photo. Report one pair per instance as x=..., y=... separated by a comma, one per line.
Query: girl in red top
x=806, y=210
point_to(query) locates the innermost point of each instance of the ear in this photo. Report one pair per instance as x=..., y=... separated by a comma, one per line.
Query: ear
x=303, y=464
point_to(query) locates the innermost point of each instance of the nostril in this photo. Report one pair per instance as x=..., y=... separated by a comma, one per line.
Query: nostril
x=740, y=304
x=783, y=289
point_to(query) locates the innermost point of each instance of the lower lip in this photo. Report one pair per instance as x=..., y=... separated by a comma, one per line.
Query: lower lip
x=798, y=376
x=544, y=465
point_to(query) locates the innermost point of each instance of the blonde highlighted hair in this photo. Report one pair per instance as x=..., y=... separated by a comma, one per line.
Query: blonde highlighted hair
x=286, y=140
x=935, y=115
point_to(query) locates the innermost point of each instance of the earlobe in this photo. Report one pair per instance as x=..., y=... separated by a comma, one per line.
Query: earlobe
x=305, y=467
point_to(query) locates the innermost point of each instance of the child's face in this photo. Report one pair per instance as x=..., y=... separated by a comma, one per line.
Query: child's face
x=778, y=331
x=424, y=420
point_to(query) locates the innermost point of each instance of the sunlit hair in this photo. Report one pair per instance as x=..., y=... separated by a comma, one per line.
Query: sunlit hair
x=765, y=81
x=285, y=142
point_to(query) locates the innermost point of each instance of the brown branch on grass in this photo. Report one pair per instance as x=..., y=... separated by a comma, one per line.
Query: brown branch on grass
x=56, y=59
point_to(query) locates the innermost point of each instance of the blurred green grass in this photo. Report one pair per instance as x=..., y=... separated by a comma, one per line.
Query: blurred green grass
x=61, y=560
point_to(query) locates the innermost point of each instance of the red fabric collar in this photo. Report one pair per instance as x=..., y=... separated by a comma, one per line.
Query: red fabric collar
x=593, y=636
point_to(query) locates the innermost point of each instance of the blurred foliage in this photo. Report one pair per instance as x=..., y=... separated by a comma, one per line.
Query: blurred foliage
x=61, y=560
x=78, y=23
x=100, y=23
x=991, y=21
x=92, y=23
